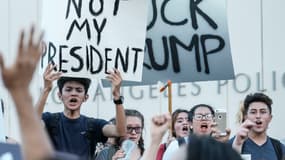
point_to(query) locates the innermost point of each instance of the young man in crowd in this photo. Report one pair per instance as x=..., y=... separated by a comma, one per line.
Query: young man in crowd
x=70, y=131
x=252, y=137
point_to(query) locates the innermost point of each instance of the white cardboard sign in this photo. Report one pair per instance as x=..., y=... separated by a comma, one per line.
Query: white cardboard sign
x=87, y=38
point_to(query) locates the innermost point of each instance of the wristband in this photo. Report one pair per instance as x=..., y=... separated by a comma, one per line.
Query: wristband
x=119, y=101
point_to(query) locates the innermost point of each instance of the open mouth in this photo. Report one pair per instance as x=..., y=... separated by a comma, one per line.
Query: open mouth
x=73, y=100
x=204, y=126
x=185, y=128
x=258, y=122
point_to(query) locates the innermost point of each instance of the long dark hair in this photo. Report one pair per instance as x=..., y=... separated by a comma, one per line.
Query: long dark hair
x=174, y=118
x=136, y=113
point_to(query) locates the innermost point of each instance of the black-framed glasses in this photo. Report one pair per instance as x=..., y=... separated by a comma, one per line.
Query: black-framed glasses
x=138, y=130
x=199, y=117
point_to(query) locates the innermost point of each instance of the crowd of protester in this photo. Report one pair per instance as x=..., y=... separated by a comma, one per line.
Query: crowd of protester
x=71, y=135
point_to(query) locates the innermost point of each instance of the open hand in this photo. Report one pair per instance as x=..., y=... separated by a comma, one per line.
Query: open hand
x=50, y=75
x=116, y=79
x=20, y=74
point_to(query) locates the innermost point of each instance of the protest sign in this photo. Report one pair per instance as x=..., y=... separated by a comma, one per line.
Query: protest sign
x=87, y=38
x=187, y=41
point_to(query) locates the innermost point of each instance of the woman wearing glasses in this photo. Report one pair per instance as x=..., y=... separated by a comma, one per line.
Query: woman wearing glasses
x=202, y=123
x=135, y=125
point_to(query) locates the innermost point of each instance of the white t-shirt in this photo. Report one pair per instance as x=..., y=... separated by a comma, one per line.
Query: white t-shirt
x=172, y=148
x=283, y=141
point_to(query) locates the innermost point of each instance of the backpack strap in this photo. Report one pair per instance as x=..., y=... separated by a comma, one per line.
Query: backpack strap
x=52, y=124
x=181, y=141
x=90, y=135
x=277, y=147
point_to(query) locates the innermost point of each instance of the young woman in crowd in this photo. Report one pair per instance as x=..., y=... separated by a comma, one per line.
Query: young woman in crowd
x=180, y=128
x=135, y=125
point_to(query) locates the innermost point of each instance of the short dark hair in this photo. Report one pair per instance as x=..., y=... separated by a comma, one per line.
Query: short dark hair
x=84, y=81
x=257, y=97
x=193, y=109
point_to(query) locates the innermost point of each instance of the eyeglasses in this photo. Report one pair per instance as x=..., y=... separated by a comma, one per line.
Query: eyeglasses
x=130, y=130
x=199, y=117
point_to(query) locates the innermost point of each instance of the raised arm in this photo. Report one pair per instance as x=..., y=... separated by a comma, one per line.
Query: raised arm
x=120, y=130
x=17, y=79
x=159, y=126
x=49, y=76
x=242, y=135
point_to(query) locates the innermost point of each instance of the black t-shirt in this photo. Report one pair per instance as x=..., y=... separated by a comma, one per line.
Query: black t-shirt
x=71, y=134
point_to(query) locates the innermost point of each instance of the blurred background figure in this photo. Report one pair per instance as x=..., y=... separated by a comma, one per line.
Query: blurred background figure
x=207, y=148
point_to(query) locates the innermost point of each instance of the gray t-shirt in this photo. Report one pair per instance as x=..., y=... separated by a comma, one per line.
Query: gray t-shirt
x=258, y=152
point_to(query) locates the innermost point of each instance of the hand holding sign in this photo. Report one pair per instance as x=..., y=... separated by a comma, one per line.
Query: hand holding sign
x=115, y=78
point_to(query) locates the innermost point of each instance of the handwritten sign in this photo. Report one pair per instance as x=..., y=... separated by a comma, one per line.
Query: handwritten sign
x=187, y=40
x=90, y=37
